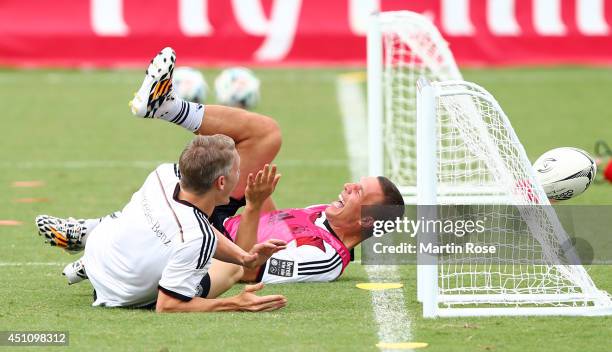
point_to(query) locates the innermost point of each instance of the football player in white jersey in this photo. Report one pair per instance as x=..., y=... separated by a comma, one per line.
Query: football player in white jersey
x=161, y=247
x=319, y=237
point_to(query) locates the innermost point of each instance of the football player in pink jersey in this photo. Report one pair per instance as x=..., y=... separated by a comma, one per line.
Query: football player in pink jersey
x=319, y=237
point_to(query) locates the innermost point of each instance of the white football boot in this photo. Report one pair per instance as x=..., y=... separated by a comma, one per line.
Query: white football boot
x=156, y=89
x=75, y=272
x=64, y=233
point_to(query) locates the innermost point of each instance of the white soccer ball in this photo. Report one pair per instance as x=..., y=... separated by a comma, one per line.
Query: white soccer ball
x=189, y=84
x=237, y=86
x=565, y=172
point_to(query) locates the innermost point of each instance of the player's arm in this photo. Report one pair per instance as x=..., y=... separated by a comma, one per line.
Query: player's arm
x=257, y=137
x=247, y=301
x=227, y=251
x=185, y=270
x=258, y=190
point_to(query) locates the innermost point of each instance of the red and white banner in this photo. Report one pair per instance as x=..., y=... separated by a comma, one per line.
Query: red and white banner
x=103, y=33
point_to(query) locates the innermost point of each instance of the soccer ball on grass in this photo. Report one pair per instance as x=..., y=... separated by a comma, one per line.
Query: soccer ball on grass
x=189, y=84
x=238, y=87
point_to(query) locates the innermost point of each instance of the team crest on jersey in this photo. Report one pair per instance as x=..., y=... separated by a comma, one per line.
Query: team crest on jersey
x=280, y=267
x=199, y=290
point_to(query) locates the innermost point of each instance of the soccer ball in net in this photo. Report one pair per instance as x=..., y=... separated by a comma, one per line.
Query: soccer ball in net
x=237, y=87
x=189, y=84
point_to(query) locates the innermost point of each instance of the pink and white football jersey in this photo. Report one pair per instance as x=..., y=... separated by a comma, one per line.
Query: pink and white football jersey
x=313, y=253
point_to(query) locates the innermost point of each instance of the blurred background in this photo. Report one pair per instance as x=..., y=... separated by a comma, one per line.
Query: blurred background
x=119, y=33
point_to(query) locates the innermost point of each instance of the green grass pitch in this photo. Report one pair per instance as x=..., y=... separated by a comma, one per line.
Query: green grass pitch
x=73, y=130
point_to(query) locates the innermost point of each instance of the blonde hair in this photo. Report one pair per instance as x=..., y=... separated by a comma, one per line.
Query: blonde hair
x=204, y=159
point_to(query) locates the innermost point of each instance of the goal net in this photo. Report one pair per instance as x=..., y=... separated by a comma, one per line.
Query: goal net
x=460, y=149
x=465, y=140
x=402, y=46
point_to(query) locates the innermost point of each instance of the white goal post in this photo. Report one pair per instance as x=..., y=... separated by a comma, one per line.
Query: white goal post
x=402, y=46
x=450, y=143
x=465, y=138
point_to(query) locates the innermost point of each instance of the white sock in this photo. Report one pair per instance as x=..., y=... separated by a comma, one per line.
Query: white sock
x=183, y=113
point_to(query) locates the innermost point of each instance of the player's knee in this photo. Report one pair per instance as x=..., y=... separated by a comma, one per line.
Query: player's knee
x=273, y=134
x=269, y=131
x=237, y=273
x=275, y=137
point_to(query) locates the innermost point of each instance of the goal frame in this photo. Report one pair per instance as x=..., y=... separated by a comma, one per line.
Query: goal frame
x=428, y=275
x=433, y=57
x=375, y=95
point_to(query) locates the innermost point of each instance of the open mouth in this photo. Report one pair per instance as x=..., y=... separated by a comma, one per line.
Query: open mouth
x=338, y=203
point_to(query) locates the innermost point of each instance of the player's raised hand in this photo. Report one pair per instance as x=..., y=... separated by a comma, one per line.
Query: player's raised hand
x=248, y=301
x=261, y=186
x=261, y=252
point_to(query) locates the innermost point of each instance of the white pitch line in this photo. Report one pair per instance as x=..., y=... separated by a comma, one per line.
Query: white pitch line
x=144, y=164
x=393, y=321
x=352, y=109
x=31, y=264
x=128, y=77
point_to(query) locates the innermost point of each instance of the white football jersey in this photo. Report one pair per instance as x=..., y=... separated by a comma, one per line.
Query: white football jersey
x=314, y=253
x=158, y=242
x=303, y=263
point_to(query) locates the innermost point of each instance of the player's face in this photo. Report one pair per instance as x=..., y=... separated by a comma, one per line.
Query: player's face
x=346, y=211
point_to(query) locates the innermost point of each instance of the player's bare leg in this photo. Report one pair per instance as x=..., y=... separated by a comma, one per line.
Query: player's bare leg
x=222, y=277
x=257, y=137
x=258, y=141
